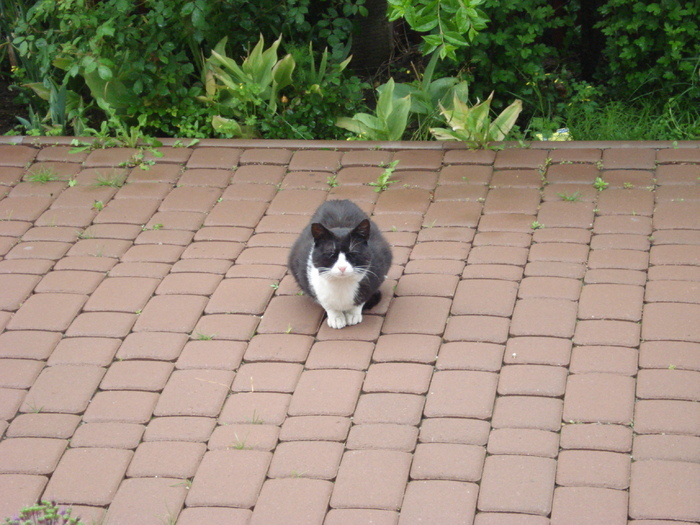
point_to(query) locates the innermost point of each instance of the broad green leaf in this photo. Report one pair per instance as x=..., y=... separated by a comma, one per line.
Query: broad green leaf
x=502, y=125
x=397, y=119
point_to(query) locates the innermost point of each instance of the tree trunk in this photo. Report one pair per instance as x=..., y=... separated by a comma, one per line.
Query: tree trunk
x=374, y=42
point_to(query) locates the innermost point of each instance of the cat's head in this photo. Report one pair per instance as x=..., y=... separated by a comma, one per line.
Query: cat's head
x=341, y=253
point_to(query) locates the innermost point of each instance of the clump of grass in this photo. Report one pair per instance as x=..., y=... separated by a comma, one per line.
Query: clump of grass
x=42, y=175
x=570, y=197
x=112, y=181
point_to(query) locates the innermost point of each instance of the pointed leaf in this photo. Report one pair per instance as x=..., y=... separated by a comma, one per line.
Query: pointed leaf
x=397, y=119
x=502, y=125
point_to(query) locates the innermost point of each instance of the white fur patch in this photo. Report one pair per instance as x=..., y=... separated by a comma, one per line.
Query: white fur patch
x=335, y=291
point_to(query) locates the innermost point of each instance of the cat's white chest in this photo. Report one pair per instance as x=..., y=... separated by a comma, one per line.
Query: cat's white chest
x=335, y=289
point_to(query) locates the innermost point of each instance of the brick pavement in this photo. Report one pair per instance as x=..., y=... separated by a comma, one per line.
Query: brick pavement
x=535, y=359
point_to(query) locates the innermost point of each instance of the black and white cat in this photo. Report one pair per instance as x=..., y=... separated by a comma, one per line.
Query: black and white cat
x=340, y=259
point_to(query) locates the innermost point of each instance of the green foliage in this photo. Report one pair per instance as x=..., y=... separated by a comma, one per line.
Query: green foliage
x=273, y=98
x=390, y=120
x=451, y=24
x=652, y=46
x=44, y=513
x=384, y=180
x=473, y=125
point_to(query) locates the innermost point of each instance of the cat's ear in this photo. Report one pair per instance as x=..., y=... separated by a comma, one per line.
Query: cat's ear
x=362, y=229
x=319, y=231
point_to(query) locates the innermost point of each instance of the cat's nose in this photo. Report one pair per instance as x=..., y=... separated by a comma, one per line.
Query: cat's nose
x=342, y=269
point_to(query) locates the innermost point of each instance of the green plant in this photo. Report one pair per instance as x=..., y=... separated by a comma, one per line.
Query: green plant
x=427, y=95
x=112, y=181
x=42, y=175
x=452, y=24
x=570, y=197
x=390, y=120
x=651, y=46
x=474, y=125
x=44, y=513
x=384, y=180
x=600, y=184
x=201, y=336
x=332, y=181
x=98, y=205
x=536, y=225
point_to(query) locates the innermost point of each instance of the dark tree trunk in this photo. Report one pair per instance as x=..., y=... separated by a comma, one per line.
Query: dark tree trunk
x=592, y=39
x=374, y=41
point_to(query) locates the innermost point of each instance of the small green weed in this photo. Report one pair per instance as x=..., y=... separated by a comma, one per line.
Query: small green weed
x=536, y=225
x=45, y=513
x=200, y=336
x=600, y=184
x=332, y=181
x=98, y=205
x=384, y=180
x=570, y=197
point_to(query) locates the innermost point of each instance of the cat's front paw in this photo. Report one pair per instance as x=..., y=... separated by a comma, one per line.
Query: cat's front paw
x=354, y=316
x=336, y=320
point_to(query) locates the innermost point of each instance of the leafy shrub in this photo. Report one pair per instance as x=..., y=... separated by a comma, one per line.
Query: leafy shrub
x=652, y=47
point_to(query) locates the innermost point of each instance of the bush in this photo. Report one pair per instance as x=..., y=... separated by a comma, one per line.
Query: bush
x=651, y=48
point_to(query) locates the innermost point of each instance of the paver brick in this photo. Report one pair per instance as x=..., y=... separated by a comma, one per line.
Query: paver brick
x=309, y=428
x=125, y=436
x=419, y=315
x=664, y=490
x=388, y=471
x=599, y=398
x=543, y=317
x=398, y=378
x=593, y=436
x=580, y=505
x=607, y=333
x=19, y=373
x=542, y=413
x=279, y=347
x=63, y=388
x=657, y=416
x=401, y=409
x=194, y=393
x=533, y=380
x=166, y=459
x=671, y=321
x=152, y=345
x=121, y=406
x=47, y=311
x=267, y=377
x=445, y=461
x=666, y=447
x=180, y=428
x=147, y=501
x=611, y=301
x=306, y=459
x=247, y=436
x=486, y=357
x=523, y=442
x=484, y=297
x=390, y=436
x=18, y=491
x=219, y=355
x=256, y=408
x=454, y=430
x=196, y=515
x=604, y=359
x=517, y=484
x=43, y=425
x=101, y=324
x=477, y=328
x=668, y=384
x=284, y=501
x=592, y=468
x=439, y=502
x=456, y=393
x=30, y=455
x=538, y=351
x=229, y=478
x=326, y=392
x=88, y=476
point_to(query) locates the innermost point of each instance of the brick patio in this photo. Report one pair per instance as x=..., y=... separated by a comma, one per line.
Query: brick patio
x=535, y=359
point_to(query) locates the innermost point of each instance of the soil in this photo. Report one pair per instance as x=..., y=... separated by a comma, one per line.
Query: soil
x=9, y=109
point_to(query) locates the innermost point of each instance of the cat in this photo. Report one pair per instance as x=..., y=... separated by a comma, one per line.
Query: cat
x=340, y=259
